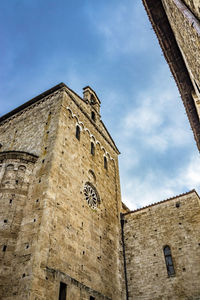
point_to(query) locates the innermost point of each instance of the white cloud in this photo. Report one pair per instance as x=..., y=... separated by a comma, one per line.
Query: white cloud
x=155, y=126
x=156, y=186
x=157, y=119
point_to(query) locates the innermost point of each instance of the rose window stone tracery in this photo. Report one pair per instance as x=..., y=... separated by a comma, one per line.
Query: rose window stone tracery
x=91, y=195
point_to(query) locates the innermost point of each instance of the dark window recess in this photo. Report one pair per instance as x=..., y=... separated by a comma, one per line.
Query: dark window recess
x=93, y=116
x=4, y=248
x=92, y=298
x=63, y=291
x=78, y=133
x=92, y=100
x=92, y=148
x=177, y=204
x=168, y=261
x=105, y=163
x=197, y=86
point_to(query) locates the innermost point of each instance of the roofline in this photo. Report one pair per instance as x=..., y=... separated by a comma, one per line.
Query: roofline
x=162, y=201
x=114, y=145
x=32, y=101
x=173, y=56
x=47, y=93
x=125, y=206
x=110, y=136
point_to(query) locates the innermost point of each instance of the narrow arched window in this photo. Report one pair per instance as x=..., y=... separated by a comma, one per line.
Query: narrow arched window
x=78, y=132
x=169, y=261
x=93, y=116
x=92, y=99
x=92, y=148
x=105, y=163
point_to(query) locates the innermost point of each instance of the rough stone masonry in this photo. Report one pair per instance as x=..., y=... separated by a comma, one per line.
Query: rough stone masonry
x=64, y=232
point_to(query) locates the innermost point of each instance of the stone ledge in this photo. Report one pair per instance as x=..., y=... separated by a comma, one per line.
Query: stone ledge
x=18, y=155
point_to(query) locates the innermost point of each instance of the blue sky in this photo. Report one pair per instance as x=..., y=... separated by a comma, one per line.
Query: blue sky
x=110, y=46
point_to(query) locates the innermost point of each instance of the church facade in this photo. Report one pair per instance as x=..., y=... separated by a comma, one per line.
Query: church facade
x=65, y=234
x=61, y=200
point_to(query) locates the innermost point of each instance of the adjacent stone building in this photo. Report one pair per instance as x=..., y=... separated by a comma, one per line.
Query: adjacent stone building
x=64, y=232
x=162, y=246
x=177, y=26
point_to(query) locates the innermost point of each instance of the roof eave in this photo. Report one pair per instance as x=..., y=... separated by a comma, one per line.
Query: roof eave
x=173, y=56
x=32, y=101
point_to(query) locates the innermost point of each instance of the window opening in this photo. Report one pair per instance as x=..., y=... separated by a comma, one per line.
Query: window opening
x=10, y=167
x=92, y=148
x=92, y=298
x=63, y=291
x=197, y=86
x=105, y=163
x=92, y=99
x=78, y=133
x=168, y=261
x=91, y=195
x=93, y=116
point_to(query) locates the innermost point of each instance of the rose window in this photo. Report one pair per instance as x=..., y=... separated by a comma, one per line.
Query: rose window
x=91, y=195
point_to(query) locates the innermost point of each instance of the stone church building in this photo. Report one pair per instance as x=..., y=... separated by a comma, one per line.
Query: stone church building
x=65, y=234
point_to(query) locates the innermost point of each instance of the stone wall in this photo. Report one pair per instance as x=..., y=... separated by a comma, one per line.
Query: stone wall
x=15, y=177
x=27, y=139
x=80, y=244
x=59, y=237
x=176, y=223
x=194, y=6
x=186, y=28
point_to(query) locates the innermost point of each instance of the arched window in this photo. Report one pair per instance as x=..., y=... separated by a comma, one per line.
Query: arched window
x=168, y=261
x=93, y=116
x=92, y=176
x=22, y=168
x=10, y=167
x=105, y=163
x=78, y=132
x=92, y=99
x=92, y=148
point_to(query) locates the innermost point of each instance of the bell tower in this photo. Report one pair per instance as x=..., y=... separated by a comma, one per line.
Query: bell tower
x=91, y=98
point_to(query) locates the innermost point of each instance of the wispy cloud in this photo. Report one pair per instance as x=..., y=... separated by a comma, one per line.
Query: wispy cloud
x=155, y=118
x=156, y=186
x=151, y=133
x=118, y=26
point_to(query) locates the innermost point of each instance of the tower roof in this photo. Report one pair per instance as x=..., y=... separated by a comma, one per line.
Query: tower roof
x=91, y=91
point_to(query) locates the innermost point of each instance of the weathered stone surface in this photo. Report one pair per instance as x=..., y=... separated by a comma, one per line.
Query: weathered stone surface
x=194, y=6
x=176, y=223
x=186, y=29
x=50, y=232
